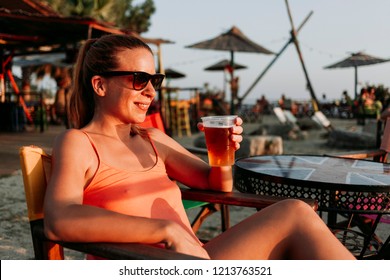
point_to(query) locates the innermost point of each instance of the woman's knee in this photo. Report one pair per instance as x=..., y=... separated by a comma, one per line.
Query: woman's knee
x=295, y=207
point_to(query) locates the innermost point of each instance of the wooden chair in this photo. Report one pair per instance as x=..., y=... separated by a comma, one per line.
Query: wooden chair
x=181, y=117
x=36, y=165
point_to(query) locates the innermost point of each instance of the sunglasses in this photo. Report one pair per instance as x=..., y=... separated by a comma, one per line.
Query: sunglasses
x=140, y=79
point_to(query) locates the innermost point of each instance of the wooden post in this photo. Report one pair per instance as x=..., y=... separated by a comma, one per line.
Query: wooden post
x=296, y=43
x=273, y=61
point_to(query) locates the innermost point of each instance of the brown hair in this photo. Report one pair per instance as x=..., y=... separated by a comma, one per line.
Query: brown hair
x=95, y=56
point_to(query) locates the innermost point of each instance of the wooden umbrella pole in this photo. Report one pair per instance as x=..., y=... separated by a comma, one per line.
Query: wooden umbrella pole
x=273, y=61
x=296, y=43
x=233, y=90
x=356, y=81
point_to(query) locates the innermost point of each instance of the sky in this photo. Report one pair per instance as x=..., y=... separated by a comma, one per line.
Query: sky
x=336, y=29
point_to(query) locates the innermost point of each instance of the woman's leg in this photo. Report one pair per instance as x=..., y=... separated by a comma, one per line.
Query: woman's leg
x=289, y=229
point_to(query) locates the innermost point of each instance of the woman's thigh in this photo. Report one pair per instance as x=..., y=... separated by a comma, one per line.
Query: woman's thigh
x=267, y=234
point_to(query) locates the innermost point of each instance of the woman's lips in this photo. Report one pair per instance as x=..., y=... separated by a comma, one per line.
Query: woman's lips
x=142, y=106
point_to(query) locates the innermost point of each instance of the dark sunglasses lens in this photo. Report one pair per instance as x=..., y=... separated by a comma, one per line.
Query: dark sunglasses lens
x=141, y=80
x=157, y=81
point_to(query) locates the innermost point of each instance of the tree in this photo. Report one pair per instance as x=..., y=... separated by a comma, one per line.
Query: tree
x=137, y=18
x=121, y=13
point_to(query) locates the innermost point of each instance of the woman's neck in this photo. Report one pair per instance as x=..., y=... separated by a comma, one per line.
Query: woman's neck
x=120, y=131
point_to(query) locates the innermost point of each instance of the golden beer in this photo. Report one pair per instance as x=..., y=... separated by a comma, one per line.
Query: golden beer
x=220, y=148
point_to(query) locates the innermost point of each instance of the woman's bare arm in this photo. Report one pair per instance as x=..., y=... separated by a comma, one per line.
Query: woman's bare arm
x=189, y=169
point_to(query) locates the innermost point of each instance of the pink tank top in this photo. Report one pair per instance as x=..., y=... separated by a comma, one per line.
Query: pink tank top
x=149, y=193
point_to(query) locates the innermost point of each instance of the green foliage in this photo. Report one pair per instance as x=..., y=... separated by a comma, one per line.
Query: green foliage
x=137, y=17
x=121, y=13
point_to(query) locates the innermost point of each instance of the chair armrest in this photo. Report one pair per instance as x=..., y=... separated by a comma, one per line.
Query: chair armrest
x=114, y=251
x=376, y=154
x=127, y=251
x=236, y=198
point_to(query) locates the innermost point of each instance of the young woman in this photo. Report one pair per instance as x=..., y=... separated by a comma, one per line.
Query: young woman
x=111, y=179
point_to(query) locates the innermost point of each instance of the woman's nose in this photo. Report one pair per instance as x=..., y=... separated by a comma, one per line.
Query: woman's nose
x=149, y=90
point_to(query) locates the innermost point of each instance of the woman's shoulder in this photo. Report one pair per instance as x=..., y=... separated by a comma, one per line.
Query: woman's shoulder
x=72, y=150
x=156, y=135
x=165, y=144
x=71, y=138
x=71, y=135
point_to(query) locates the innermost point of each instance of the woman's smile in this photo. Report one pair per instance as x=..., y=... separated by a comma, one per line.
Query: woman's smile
x=142, y=105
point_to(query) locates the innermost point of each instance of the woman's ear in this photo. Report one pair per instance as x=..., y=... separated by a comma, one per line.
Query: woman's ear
x=98, y=85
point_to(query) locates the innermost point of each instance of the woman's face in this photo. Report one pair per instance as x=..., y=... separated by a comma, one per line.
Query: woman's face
x=121, y=102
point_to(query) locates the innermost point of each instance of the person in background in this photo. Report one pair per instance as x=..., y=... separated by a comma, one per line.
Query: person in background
x=113, y=181
x=261, y=107
x=282, y=101
x=324, y=99
x=346, y=99
x=61, y=103
x=346, y=105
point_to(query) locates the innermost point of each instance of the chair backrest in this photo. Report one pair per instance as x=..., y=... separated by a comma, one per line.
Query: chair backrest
x=154, y=120
x=385, y=141
x=280, y=115
x=36, y=167
x=33, y=161
x=321, y=119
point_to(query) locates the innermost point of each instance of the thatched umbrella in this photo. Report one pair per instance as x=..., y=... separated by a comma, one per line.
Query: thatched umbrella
x=233, y=41
x=173, y=74
x=224, y=65
x=355, y=60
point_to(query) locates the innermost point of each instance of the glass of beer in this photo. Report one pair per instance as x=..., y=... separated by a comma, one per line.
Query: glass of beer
x=219, y=147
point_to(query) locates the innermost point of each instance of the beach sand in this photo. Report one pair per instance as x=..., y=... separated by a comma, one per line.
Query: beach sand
x=15, y=238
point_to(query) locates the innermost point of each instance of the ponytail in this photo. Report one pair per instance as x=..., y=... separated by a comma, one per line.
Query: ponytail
x=81, y=101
